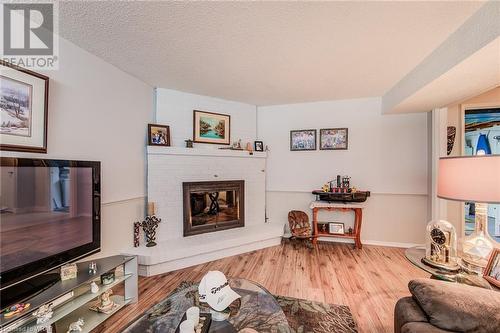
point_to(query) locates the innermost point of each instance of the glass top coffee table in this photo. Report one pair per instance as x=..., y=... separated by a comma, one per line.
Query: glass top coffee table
x=259, y=310
x=415, y=255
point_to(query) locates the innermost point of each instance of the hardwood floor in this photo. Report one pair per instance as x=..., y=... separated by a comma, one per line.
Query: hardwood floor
x=369, y=281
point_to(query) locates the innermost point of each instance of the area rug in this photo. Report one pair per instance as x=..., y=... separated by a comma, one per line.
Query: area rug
x=303, y=316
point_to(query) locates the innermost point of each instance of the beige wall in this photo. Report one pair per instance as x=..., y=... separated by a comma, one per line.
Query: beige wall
x=490, y=98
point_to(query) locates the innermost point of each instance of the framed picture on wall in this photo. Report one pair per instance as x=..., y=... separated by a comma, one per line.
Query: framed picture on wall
x=303, y=140
x=23, y=109
x=158, y=135
x=209, y=127
x=333, y=139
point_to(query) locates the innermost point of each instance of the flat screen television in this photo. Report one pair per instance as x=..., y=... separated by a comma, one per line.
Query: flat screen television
x=49, y=215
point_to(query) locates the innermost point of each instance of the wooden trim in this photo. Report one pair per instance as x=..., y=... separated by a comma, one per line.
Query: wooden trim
x=494, y=253
x=346, y=138
x=156, y=144
x=303, y=130
x=27, y=149
x=217, y=114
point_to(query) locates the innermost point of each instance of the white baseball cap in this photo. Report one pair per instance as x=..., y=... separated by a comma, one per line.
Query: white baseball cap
x=215, y=290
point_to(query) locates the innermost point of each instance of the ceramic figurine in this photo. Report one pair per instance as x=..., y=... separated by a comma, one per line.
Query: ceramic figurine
x=43, y=314
x=189, y=143
x=137, y=230
x=267, y=148
x=105, y=304
x=76, y=326
x=149, y=226
x=94, y=288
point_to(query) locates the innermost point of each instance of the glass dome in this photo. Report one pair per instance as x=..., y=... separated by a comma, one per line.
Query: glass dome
x=441, y=245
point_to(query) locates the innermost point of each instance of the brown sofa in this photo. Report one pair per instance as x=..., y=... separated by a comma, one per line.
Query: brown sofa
x=443, y=307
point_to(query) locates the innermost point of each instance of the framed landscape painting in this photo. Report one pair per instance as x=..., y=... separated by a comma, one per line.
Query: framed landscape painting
x=23, y=109
x=333, y=139
x=209, y=127
x=303, y=140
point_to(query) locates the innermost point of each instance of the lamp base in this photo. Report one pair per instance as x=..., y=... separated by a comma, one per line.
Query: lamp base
x=451, y=267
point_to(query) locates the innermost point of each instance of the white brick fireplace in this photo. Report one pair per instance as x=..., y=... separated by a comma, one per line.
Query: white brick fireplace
x=168, y=168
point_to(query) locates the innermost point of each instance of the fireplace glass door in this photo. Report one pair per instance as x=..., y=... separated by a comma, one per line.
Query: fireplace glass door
x=212, y=206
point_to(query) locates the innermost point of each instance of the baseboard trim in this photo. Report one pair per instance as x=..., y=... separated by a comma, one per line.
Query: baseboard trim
x=371, y=242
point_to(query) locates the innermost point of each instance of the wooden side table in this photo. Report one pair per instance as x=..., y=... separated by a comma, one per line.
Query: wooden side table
x=316, y=206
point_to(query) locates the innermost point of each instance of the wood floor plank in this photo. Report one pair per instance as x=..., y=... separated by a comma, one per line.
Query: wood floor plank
x=369, y=280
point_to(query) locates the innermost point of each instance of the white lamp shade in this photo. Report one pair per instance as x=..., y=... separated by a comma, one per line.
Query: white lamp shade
x=470, y=178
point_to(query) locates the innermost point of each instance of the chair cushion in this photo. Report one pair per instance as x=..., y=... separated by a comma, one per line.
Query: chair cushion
x=458, y=307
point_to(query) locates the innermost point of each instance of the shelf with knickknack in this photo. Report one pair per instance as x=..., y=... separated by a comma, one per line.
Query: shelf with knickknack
x=72, y=300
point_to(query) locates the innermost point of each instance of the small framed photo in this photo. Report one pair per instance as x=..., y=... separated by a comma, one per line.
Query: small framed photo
x=158, y=135
x=210, y=127
x=335, y=228
x=303, y=140
x=333, y=139
x=24, y=97
x=258, y=146
x=492, y=270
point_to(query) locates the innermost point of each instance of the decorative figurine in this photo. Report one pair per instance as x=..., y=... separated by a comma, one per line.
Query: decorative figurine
x=326, y=188
x=92, y=268
x=349, y=231
x=189, y=143
x=76, y=326
x=249, y=148
x=149, y=226
x=238, y=146
x=137, y=230
x=105, y=304
x=267, y=148
x=15, y=309
x=43, y=314
x=94, y=288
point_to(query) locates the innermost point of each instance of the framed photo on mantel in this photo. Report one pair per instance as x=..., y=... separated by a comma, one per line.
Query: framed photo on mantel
x=24, y=99
x=210, y=127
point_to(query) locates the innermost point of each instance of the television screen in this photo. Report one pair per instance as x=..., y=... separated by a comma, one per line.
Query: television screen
x=47, y=214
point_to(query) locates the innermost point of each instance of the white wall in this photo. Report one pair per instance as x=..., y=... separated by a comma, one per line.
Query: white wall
x=387, y=155
x=175, y=108
x=97, y=112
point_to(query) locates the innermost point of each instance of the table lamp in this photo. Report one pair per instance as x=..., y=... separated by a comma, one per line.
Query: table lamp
x=476, y=179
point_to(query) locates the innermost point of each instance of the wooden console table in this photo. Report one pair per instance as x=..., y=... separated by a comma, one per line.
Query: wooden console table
x=316, y=206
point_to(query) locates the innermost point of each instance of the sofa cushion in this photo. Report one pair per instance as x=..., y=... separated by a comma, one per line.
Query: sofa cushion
x=458, y=307
x=418, y=327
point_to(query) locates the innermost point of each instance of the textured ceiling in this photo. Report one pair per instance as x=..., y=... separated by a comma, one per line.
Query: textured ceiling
x=264, y=53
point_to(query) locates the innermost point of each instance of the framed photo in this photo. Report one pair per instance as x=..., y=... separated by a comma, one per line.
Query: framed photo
x=158, y=135
x=24, y=99
x=333, y=139
x=258, y=146
x=209, y=127
x=336, y=228
x=303, y=140
x=492, y=271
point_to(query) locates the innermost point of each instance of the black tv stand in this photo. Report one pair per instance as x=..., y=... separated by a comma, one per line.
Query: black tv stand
x=27, y=289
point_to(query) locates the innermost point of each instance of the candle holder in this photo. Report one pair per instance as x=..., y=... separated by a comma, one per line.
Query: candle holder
x=149, y=226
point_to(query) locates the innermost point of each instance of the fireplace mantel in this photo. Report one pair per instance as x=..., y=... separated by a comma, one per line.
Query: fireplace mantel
x=152, y=150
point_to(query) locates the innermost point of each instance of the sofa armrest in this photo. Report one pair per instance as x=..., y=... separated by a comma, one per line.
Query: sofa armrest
x=457, y=307
x=407, y=311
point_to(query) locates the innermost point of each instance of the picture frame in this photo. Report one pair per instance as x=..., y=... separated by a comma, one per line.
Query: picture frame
x=334, y=138
x=24, y=98
x=336, y=228
x=303, y=140
x=258, y=146
x=158, y=135
x=211, y=127
x=492, y=271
